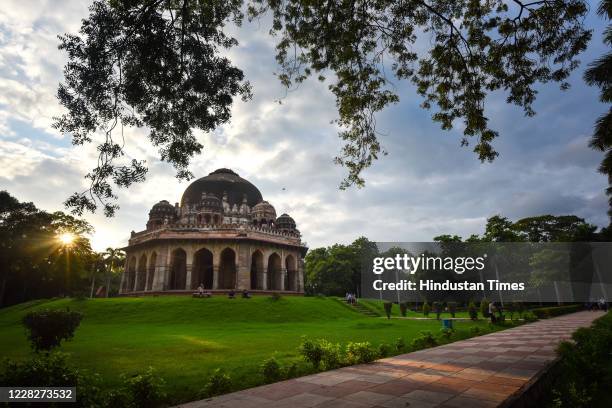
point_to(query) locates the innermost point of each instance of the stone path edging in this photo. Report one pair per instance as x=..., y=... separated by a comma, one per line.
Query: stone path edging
x=483, y=371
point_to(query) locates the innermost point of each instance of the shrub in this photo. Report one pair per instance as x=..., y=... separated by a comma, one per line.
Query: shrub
x=403, y=308
x=473, y=312
x=529, y=317
x=437, y=306
x=218, y=383
x=475, y=330
x=424, y=340
x=400, y=344
x=47, y=328
x=332, y=354
x=426, y=309
x=484, y=308
x=446, y=333
x=144, y=390
x=384, y=350
x=312, y=352
x=511, y=309
x=585, y=364
x=452, y=308
x=388, y=306
x=292, y=371
x=271, y=370
x=547, y=312
x=52, y=370
x=357, y=353
x=519, y=307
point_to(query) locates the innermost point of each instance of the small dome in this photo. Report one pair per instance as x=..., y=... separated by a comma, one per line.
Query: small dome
x=263, y=211
x=161, y=209
x=285, y=222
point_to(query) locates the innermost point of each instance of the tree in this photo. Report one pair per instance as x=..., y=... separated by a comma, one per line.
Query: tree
x=33, y=261
x=599, y=74
x=158, y=63
x=114, y=258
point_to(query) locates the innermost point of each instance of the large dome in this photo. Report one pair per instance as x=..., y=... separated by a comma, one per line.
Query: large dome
x=222, y=181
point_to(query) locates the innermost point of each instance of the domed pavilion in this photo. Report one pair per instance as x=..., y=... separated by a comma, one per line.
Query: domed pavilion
x=222, y=235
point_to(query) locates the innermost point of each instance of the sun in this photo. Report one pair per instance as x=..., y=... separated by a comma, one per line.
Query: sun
x=66, y=238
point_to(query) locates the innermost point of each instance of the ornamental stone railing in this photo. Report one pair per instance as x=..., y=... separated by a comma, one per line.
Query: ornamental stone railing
x=153, y=233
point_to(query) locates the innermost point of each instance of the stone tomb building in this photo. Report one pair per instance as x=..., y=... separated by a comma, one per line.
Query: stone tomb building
x=223, y=235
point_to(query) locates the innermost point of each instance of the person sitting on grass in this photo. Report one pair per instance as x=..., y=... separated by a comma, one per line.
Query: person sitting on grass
x=231, y=294
x=201, y=290
x=246, y=294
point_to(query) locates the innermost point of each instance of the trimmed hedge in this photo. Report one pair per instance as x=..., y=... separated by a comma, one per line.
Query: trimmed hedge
x=547, y=312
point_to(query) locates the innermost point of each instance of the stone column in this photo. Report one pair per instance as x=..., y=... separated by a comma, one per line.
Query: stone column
x=283, y=277
x=136, y=273
x=215, y=276
x=148, y=266
x=188, y=267
x=243, y=271
x=264, y=275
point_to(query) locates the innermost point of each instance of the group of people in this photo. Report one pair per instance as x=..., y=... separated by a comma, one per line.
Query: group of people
x=600, y=304
x=351, y=299
x=231, y=294
x=494, y=308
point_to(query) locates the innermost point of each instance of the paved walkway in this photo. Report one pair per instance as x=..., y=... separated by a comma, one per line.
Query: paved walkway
x=479, y=372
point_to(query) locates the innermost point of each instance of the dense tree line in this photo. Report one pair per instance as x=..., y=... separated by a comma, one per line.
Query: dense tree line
x=34, y=260
x=336, y=269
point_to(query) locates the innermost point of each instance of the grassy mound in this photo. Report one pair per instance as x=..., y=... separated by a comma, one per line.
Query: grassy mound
x=185, y=339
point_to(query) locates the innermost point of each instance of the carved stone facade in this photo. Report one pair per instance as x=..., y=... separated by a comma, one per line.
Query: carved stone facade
x=222, y=236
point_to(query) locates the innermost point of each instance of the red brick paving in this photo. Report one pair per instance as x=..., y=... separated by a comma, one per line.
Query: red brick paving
x=479, y=372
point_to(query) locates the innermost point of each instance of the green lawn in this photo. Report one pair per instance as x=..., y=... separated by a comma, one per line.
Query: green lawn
x=184, y=339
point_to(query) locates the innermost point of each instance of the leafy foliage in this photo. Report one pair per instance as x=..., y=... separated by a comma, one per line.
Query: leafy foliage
x=599, y=74
x=474, y=48
x=360, y=352
x=425, y=339
x=388, y=306
x=472, y=311
x=150, y=63
x=143, y=390
x=48, y=328
x=271, y=370
x=218, y=383
x=33, y=262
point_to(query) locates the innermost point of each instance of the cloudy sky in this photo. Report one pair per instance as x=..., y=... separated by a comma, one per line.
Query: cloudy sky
x=428, y=185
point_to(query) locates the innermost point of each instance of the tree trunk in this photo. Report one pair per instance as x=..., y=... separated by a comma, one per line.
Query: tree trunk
x=93, y=280
x=108, y=276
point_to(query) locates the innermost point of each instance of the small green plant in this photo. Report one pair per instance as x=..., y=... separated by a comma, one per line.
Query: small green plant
x=473, y=311
x=452, y=308
x=446, y=333
x=47, y=328
x=384, y=350
x=403, y=308
x=437, y=306
x=424, y=340
x=511, y=309
x=484, y=308
x=218, y=383
x=332, y=354
x=312, y=352
x=529, y=317
x=426, y=309
x=144, y=389
x=275, y=296
x=520, y=308
x=400, y=344
x=357, y=353
x=388, y=306
x=475, y=330
x=292, y=371
x=271, y=370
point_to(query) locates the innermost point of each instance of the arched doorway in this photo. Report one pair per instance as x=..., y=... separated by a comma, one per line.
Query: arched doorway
x=274, y=272
x=227, y=269
x=202, y=269
x=291, y=281
x=142, y=273
x=257, y=270
x=131, y=275
x=151, y=271
x=178, y=269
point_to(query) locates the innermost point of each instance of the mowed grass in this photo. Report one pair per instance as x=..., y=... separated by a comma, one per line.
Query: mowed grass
x=185, y=339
